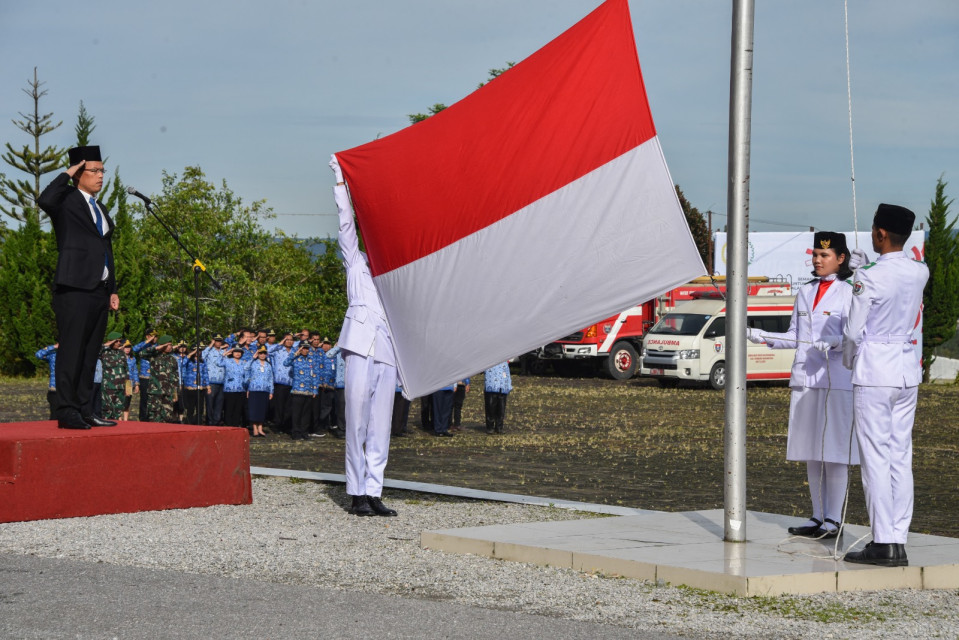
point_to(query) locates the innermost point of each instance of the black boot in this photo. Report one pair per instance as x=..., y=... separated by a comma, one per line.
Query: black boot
x=880, y=554
x=378, y=507
x=361, y=507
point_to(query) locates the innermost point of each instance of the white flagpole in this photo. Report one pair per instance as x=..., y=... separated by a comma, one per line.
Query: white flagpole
x=737, y=210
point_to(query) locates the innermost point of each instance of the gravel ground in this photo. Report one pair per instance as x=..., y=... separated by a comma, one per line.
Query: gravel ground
x=298, y=533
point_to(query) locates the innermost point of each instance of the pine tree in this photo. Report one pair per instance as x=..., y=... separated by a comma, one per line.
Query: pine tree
x=21, y=194
x=941, y=296
x=697, y=225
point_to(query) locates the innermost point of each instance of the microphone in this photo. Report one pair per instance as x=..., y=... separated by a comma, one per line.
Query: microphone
x=133, y=192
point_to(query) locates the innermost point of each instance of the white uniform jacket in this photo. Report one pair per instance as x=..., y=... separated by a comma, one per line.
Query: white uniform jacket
x=886, y=303
x=808, y=325
x=364, y=331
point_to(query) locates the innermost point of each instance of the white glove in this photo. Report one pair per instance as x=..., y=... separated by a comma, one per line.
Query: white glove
x=754, y=336
x=827, y=343
x=335, y=165
x=858, y=258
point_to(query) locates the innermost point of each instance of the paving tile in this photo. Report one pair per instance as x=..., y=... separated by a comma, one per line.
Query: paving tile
x=535, y=555
x=869, y=578
x=941, y=577
x=609, y=565
x=456, y=544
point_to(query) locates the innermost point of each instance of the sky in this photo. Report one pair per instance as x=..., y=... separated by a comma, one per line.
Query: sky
x=259, y=94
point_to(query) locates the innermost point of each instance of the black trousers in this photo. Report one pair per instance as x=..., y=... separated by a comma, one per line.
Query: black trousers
x=459, y=396
x=301, y=415
x=95, y=406
x=214, y=404
x=495, y=405
x=426, y=412
x=194, y=409
x=323, y=405
x=234, y=409
x=81, y=323
x=144, y=394
x=401, y=414
x=281, y=407
x=339, y=409
x=442, y=410
x=52, y=401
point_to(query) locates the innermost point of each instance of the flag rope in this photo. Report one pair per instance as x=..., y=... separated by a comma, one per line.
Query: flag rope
x=852, y=158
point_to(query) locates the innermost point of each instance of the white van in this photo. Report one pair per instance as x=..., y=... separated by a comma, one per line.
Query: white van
x=689, y=343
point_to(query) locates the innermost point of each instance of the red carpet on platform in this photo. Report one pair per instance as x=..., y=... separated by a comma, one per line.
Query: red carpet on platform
x=46, y=472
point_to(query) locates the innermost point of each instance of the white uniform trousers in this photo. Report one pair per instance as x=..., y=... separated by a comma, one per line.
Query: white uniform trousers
x=370, y=386
x=884, y=419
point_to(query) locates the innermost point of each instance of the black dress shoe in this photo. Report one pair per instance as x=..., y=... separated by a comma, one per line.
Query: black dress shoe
x=808, y=530
x=444, y=434
x=379, y=508
x=72, y=422
x=824, y=533
x=361, y=507
x=96, y=421
x=883, y=555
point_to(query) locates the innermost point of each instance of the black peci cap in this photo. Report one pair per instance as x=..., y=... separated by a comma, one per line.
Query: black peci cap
x=894, y=219
x=78, y=154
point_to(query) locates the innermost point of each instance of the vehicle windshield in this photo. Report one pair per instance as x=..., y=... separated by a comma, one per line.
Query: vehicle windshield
x=681, y=324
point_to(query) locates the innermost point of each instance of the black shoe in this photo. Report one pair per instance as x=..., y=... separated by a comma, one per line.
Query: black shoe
x=379, y=508
x=489, y=431
x=809, y=530
x=96, y=421
x=72, y=422
x=444, y=434
x=336, y=433
x=883, y=555
x=828, y=534
x=398, y=435
x=361, y=507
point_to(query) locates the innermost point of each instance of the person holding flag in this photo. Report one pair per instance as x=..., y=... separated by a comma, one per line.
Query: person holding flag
x=370, y=369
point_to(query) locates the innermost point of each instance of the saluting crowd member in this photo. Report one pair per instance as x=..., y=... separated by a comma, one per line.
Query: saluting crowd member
x=235, y=385
x=144, y=375
x=442, y=411
x=460, y=389
x=879, y=348
x=370, y=369
x=49, y=354
x=401, y=413
x=303, y=390
x=497, y=386
x=195, y=383
x=95, y=408
x=259, y=391
x=338, y=419
x=820, y=402
x=317, y=429
x=116, y=373
x=165, y=380
x=180, y=353
x=85, y=287
x=215, y=377
x=133, y=380
x=325, y=369
x=282, y=381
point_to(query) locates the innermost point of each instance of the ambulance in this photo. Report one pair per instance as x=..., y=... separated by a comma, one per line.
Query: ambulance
x=689, y=343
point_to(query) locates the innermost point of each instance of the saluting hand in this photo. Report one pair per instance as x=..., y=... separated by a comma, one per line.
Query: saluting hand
x=114, y=302
x=72, y=171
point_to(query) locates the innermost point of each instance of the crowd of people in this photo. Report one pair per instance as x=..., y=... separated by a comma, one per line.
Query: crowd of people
x=292, y=383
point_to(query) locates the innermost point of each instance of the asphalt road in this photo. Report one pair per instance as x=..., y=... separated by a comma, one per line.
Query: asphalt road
x=53, y=598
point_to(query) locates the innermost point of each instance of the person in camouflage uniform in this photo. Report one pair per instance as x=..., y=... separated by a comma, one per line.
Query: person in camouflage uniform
x=165, y=380
x=115, y=375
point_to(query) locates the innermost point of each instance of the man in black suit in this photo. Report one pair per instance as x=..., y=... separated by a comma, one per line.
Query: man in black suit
x=85, y=287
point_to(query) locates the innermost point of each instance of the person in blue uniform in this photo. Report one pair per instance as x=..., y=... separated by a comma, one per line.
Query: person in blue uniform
x=144, y=375
x=235, y=384
x=49, y=355
x=338, y=417
x=880, y=349
x=460, y=389
x=196, y=385
x=259, y=390
x=442, y=411
x=133, y=379
x=302, y=392
x=497, y=386
x=325, y=368
x=820, y=402
x=282, y=381
x=215, y=377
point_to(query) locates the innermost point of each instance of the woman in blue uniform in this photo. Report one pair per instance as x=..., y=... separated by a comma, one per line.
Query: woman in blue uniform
x=260, y=391
x=236, y=372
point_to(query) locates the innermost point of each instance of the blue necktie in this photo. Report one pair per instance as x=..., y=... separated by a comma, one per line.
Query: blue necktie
x=99, y=218
x=99, y=223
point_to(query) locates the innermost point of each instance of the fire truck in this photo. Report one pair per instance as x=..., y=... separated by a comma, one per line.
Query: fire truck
x=612, y=345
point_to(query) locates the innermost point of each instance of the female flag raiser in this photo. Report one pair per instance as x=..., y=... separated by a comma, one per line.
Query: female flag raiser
x=537, y=205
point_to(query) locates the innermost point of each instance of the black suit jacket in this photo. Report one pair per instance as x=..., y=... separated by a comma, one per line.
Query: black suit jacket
x=80, y=247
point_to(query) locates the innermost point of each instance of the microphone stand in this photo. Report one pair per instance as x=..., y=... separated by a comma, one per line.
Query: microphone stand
x=197, y=268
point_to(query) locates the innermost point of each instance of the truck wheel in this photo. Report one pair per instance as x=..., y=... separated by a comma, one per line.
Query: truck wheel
x=668, y=383
x=717, y=376
x=621, y=363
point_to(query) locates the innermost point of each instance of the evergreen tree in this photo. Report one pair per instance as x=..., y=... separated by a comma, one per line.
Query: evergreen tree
x=439, y=106
x=21, y=194
x=941, y=296
x=697, y=225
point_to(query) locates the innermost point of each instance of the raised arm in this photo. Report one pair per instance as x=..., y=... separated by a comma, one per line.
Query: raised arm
x=349, y=241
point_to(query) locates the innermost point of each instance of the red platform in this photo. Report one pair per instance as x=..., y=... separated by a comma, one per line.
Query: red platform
x=46, y=472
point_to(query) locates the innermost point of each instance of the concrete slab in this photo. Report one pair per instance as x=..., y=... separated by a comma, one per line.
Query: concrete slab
x=687, y=549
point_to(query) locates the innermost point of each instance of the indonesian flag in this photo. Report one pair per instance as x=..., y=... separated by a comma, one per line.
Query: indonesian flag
x=537, y=205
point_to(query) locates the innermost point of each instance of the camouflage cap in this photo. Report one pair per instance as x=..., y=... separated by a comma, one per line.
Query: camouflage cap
x=164, y=339
x=114, y=335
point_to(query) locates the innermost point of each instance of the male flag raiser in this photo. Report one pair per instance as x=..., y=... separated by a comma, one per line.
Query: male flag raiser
x=533, y=207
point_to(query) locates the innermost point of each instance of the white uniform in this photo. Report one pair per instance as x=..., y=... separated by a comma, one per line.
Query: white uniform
x=818, y=380
x=878, y=346
x=370, y=365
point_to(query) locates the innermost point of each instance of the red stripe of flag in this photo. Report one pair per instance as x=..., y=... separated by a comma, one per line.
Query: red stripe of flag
x=580, y=103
